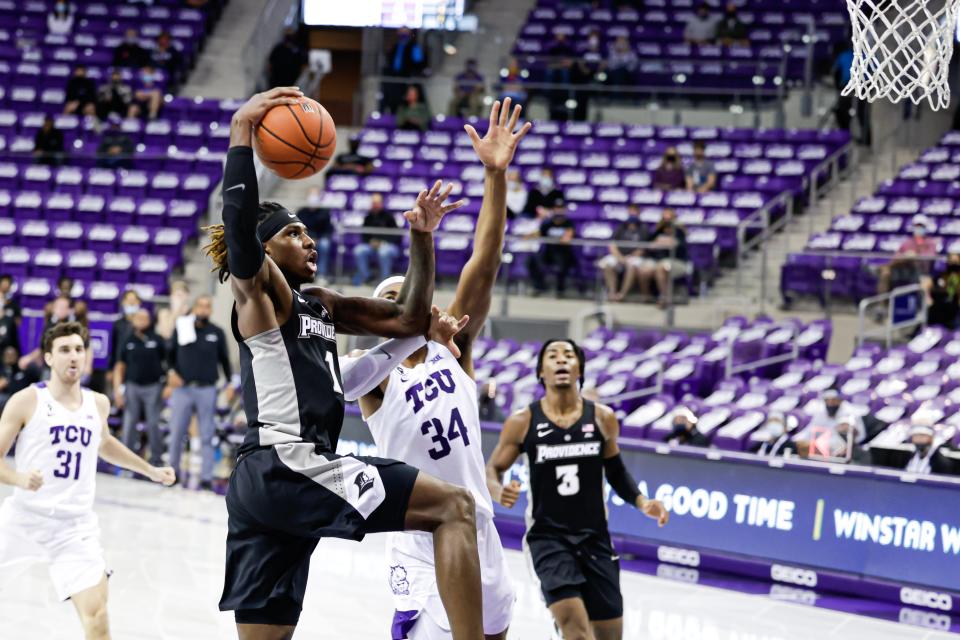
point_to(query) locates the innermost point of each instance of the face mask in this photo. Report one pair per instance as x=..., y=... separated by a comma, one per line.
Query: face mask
x=594, y=41
x=61, y=6
x=202, y=321
x=131, y=39
x=775, y=429
x=130, y=309
x=832, y=410
x=922, y=448
x=315, y=200
x=147, y=78
x=670, y=157
x=546, y=184
x=677, y=426
x=920, y=231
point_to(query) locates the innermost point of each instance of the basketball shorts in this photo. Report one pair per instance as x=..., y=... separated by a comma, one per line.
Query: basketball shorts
x=587, y=569
x=70, y=547
x=413, y=581
x=281, y=501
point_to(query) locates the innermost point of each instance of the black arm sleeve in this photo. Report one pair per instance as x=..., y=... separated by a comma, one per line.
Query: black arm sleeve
x=620, y=479
x=223, y=356
x=241, y=203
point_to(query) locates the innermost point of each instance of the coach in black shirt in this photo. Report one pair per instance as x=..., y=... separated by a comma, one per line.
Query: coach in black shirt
x=138, y=382
x=195, y=351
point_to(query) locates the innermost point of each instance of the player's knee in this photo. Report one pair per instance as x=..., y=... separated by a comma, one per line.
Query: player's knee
x=95, y=623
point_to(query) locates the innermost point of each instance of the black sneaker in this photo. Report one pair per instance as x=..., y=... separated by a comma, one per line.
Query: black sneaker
x=206, y=485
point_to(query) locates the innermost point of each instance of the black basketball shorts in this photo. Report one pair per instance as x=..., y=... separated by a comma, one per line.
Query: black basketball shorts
x=281, y=501
x=587, y=569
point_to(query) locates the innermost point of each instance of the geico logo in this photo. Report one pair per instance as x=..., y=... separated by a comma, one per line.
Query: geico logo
x=793, y=575
x=792, y=594
x=686, y=557
x=680, y=574
x=927, y=619
x=929, y=599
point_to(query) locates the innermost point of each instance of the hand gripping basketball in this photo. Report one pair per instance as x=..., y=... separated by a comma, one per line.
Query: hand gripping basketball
x=430, y=208
x=253, y=110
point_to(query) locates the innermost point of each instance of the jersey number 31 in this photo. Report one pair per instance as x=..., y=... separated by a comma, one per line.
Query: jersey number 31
x=442, y=437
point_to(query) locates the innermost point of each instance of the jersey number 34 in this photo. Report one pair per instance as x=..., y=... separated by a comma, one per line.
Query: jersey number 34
x=443, y=436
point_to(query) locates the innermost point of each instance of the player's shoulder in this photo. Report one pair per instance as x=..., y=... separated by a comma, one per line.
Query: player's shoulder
x=102, y=402
x=519, y=418
x=22, y=404
x=604, y=412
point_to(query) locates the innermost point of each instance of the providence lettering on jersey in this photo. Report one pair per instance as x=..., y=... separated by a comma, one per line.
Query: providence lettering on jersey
x=563, y=451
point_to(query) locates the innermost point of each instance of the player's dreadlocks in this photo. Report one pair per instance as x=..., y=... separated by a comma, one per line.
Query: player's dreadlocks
x=216, y=249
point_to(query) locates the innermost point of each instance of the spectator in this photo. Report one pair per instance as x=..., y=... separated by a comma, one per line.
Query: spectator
x=777, y=442
x=512, y=83
x=10, y=314
x=405, y=60
x=621, y=259
x=545, y=192
x=593, y=53
x=148, y=97
x=490, y=411
x=557, y=255
x=138, y=383
x=12, y=377
x=287, y=60
x=669, y=176
x=60, y=20
x=560, y=71
x=701, y=174
x=352, y=163
x=316, y=217
x=845, y=108
x=926, y=458
x=701, y=27
x=129, y=53
x=115, y=150
x=731, y=30
x=385, y=246
x=116, y=97
x=179, y=306
x=414, y=112
x=48, y=143
x=668, y=259
x=166, y=56
x=81, y=93
x=825, y=415
x=904, y=268
x=468, y=90
x=944, y=293
x=685, y=430
x=197, y=347
x=129, y=306
x=621, y=62
x=516, y=194
x=844, y=442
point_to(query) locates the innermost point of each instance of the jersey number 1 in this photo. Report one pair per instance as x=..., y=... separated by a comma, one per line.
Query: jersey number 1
x=333, y=374
x=456, y=430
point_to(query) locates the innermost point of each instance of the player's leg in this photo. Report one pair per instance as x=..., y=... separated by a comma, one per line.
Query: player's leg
x=499, y=594
x=570, y=614
x=265, y=632
x=91, y=606
x=601, y=591
x=608, y=629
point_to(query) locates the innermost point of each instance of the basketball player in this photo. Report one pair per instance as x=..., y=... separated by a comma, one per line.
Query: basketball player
x=424, y=411
x=289, y=488
x=570, y=444
x=61, y=429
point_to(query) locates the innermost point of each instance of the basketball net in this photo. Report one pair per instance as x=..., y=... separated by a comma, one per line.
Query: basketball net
x=902, y=49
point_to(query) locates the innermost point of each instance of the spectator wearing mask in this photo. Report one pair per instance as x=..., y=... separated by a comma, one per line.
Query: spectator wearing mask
x=116, y=97
x=12, y=377
x=413, y=114
x=196, y=349
x=48, y=143
x=621, y=62
x=666, y=259
x=10, y=314
x=148, y=97
x=701, y=174
x=115, y=150
x=670, y=176
x=844, y=443
x=316, y=218
x=468, y=90
x=516, y=194
x=81, y=93
x=405, y=59
x=904, y=268
x=731, y=30
x=489, y=409
x=685, y=430
x=926, y=458
x=138, y=383
x=558, y=255
x=540, y=196
x=825, y=415
x=776, y=442
x=166, y=56
x=701, y=28
x=60, y=20
x=944, y=295
x=624, y=260
x=130, y=304
x=385, y=246
x=352, y=162
x=129, y=53
x=287, y=60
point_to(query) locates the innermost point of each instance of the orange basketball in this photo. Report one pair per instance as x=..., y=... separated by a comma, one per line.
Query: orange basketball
x=296, y=141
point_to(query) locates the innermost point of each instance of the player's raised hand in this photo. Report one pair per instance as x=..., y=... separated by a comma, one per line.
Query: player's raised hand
x=510, y=494
x=496, y=148
x=443, y=327
x=654, y=509
x=252, y=112
x=30, y=481
x=430, y=208
x=163, y=475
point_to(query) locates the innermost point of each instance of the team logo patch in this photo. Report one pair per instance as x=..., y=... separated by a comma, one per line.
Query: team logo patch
x=398, y=581
x=364, y=483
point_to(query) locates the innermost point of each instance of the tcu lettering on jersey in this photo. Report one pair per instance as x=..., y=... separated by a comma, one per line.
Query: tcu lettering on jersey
x=420, y=393
x=70, y=433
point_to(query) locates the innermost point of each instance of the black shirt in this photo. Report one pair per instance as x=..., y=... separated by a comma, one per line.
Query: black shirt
x=555, y=227
x=380, y=219
x=345, y=162
x=118, y=333
x=286, y=61
x=130, y=55
x=9, y=325
x=197, y=362
x=317, y=220
x=536, y=198
x=630, y=230
x=48, y=141
x=81, y=89
x=143, y=357
x=18, y=379
x=680, y=252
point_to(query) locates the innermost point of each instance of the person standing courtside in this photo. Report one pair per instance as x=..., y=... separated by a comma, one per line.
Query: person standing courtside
x=197, y=347
x=138, y=383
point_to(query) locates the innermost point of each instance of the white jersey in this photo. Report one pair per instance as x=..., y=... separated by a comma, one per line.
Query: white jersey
x=430, y=419
x=64, y=446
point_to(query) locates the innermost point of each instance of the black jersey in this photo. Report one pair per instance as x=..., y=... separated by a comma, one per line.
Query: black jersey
x=290, y=378
x=566, y=474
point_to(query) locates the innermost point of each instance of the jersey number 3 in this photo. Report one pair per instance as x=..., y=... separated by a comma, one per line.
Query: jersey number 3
x=569, y=479
x=456, y=430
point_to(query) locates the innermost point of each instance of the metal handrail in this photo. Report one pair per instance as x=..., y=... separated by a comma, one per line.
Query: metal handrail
x=641, y=393
x=889, y=327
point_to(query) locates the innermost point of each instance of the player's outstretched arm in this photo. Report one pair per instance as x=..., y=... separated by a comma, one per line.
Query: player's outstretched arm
x=507, y=451
x=617, y=473
x=116, y=453
x=16, y=414
x=475, y=288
